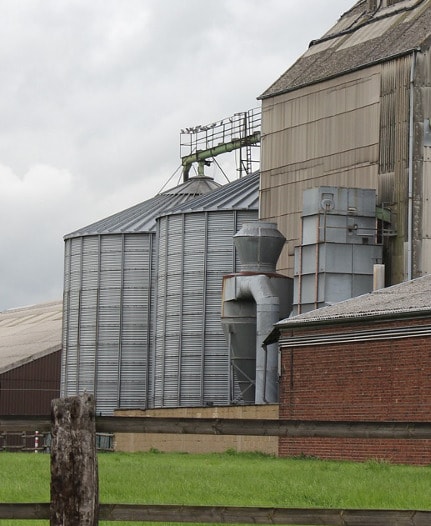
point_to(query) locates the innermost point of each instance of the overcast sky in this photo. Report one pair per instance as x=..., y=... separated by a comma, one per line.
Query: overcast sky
x=93, y=95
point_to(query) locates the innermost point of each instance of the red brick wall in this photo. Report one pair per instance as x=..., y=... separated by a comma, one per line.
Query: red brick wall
x=361, y=381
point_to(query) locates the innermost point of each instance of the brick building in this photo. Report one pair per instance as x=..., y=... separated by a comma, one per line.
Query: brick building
x=363, y=359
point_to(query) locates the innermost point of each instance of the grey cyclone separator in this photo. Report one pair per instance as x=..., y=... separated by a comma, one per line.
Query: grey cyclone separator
x=252, y=302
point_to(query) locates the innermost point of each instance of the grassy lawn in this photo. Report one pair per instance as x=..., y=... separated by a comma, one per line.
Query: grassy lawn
x=228, y=479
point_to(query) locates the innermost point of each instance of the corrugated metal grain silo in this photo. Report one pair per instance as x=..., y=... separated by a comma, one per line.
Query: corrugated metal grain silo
x=190, y=361
x=108, y=301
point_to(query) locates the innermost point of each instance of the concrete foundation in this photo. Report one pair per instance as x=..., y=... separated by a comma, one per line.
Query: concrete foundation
x=131, y=442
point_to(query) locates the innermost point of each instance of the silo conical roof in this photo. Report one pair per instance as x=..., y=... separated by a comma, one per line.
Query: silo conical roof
x=241, y=194
x=141, y=217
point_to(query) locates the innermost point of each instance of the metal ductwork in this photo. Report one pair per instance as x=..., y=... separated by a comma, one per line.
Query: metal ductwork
x=259, y=245
x=252, y=302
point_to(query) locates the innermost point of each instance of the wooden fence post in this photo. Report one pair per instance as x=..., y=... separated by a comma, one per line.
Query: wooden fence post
x=74, y=477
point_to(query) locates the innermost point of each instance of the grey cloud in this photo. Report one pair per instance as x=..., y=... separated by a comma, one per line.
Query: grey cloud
x=101, y=90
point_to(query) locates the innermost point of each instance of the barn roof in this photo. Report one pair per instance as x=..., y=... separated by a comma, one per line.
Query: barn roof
x=359, y=39
x=408, y=298
x=29, y=333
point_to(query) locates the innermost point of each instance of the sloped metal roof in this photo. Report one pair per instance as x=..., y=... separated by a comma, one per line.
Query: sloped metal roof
x=29, y=333
x=142, y=217
x=410, y=297
x=359, y=39
x=241, y=194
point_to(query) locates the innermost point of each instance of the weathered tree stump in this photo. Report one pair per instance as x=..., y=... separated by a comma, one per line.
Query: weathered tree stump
x=74, y=477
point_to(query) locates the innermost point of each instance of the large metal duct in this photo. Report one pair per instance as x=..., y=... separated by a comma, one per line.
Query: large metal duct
x=253, y=301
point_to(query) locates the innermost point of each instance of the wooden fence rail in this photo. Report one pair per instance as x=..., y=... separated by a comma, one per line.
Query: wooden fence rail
x=74, y=484
x=232, y=515
x=227, y=426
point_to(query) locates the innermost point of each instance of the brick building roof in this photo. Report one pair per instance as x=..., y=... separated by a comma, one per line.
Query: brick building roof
x=408, y=298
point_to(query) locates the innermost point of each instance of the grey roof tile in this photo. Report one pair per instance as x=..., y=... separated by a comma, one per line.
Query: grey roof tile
x=405, y=298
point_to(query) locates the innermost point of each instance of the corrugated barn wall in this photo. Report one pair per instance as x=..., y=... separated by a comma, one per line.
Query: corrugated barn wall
x=322, y=135
x=354, y=112
x=422, y=163
x=373, y=154
x=393, y=158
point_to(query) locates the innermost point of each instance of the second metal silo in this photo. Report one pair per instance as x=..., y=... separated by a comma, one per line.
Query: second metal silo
x=190, y=358
x=108, y=301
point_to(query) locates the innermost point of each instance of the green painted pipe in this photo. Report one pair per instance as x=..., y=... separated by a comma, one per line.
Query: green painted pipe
x=202, y=155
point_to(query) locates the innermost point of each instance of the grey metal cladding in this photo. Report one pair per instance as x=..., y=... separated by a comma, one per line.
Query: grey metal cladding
x=241, y=194
x=109, y=302
x=195, y=248
x=141, y=217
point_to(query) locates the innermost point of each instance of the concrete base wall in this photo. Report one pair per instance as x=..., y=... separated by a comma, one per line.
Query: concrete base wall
x=130, y=442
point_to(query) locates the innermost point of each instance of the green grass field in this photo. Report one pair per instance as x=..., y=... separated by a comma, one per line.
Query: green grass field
x=227, y=479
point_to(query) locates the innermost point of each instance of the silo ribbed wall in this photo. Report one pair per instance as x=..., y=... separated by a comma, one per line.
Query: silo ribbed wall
x=190, y=364
x=110, y=292
x=107, y=305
